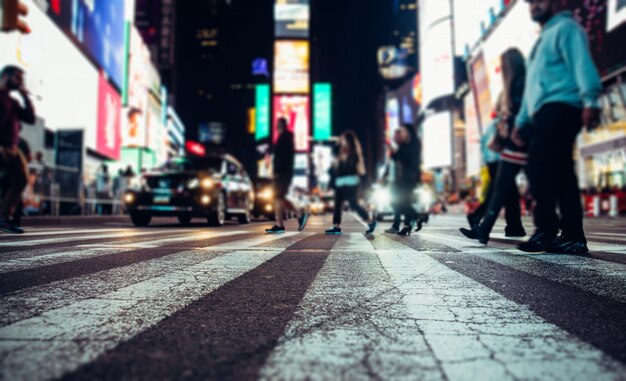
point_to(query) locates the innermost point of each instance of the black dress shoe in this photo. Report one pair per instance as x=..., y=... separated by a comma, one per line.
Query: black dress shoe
x=475, y=233
x=537, y=243
x=514, y=232
x=562, y=245
x=406, y=231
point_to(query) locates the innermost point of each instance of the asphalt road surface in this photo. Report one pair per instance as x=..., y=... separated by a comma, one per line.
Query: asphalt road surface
x=168, y=302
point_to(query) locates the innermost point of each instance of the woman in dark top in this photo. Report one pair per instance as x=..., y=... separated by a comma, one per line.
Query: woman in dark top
x=407, y=163
x=513, y=157
x=348, y=170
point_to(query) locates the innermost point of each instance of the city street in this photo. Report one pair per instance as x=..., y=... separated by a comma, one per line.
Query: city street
x=167, y=302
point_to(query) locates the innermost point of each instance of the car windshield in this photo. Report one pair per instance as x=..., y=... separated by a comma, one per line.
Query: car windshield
x=184, y=164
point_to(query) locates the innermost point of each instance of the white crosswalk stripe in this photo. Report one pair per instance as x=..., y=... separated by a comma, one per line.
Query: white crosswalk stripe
x=53, y=240
x=377, y=309
x=576, y=271
x=61, y=339
x=408, y=311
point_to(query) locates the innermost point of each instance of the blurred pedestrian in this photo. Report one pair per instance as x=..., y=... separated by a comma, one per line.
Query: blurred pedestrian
x=119, y=187
x=103, y=190
x=513, y=158
x=24, y=148
x=284, y=157
x=348, y=170
x=561, y=95
x=389, y=181
x=407, y=160
x=13, y=161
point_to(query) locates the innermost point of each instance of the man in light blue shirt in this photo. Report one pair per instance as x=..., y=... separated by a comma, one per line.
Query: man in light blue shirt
x=561, y=95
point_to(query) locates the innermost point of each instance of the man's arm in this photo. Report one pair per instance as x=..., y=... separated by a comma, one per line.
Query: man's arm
x=574, y=47
x=26, y=113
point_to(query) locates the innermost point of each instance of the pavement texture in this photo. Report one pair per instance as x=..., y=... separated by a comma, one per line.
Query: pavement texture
x=104, y=300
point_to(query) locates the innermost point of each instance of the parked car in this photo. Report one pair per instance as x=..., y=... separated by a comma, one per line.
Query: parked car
x=216, y=188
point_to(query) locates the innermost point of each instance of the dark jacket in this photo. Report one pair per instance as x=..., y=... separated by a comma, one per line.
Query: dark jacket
x=284, y=155
x=11, y=113
x=517, y=96
x=407, y=158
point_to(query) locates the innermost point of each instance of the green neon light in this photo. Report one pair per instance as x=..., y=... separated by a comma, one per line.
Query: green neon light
x=262, y=112
x=322, y=111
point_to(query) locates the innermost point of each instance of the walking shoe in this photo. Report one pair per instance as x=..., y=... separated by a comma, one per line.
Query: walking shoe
x=475, y=233
x=514, y=232
x=371, y=227
x=333, y=231
x=562, y=245
x=8, y=227
x=392, y=230
x=419, y=225
x=304, y=218
x=406, y=231
x=275, y=230
x=537, y=243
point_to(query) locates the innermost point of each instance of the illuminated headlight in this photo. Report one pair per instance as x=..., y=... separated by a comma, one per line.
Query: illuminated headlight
x=382, y=196
x=206, y=183
x=266, y=194
x=205, y=200
x=268, y=208
x=129, y=198
x=137, y=183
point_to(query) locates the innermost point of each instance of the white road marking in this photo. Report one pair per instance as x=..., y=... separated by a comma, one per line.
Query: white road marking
x=261, y=239
x=53, y=240
x=403, y=315
x=600, y=277
x=62, y=255
x=60, y=340
x=353, y=242
x=70, y=231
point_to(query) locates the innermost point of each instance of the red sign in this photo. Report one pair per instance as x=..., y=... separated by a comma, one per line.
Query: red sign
x=108, y=140
x=295, y=108
x=195, y=148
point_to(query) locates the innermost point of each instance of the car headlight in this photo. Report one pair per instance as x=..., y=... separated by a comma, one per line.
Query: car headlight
x=137, y=183
x=266, y=194
x=206, y=183
x=382, y=196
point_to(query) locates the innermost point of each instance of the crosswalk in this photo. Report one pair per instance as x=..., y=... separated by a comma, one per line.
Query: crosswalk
x=74, y=303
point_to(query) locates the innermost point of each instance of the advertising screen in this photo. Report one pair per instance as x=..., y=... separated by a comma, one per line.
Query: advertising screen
x=292, y=19
x=322, y=111
x=108, y=140
x=296, y=110
x=437, y=141
x=97, y=27
x=323, y=160
x=472, y=137
x=436, y=63
x=516, y=30
x=262, y=112
x=134, y=118
x=291, y=67
x=479, y=81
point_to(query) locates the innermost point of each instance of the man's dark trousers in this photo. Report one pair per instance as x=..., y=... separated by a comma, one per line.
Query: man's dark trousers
x=551, y=172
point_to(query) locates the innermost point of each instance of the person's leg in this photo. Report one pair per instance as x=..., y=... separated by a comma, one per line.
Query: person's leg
x=512, y=200
x=352, y=197
x=339, y=199
x=542, y=169
x=505, y=189
x=279, y=212
x=16, y=170
x=568, y=191
x=477, y=215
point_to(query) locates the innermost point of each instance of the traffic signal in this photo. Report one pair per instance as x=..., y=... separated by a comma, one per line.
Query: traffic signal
x=13, y=13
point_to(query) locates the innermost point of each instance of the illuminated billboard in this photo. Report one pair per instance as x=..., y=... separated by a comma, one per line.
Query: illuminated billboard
x=322, y=111
x=516, y=30
x=479, y=80
x=134, y=120
x=437, y=141
x=262, y=112
x=291, y=19
x=108, y=142
x=291, y=67
x=295, y=108
x=472, y=137
x=616, y=14
x=436, y=61
x=97, y=27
